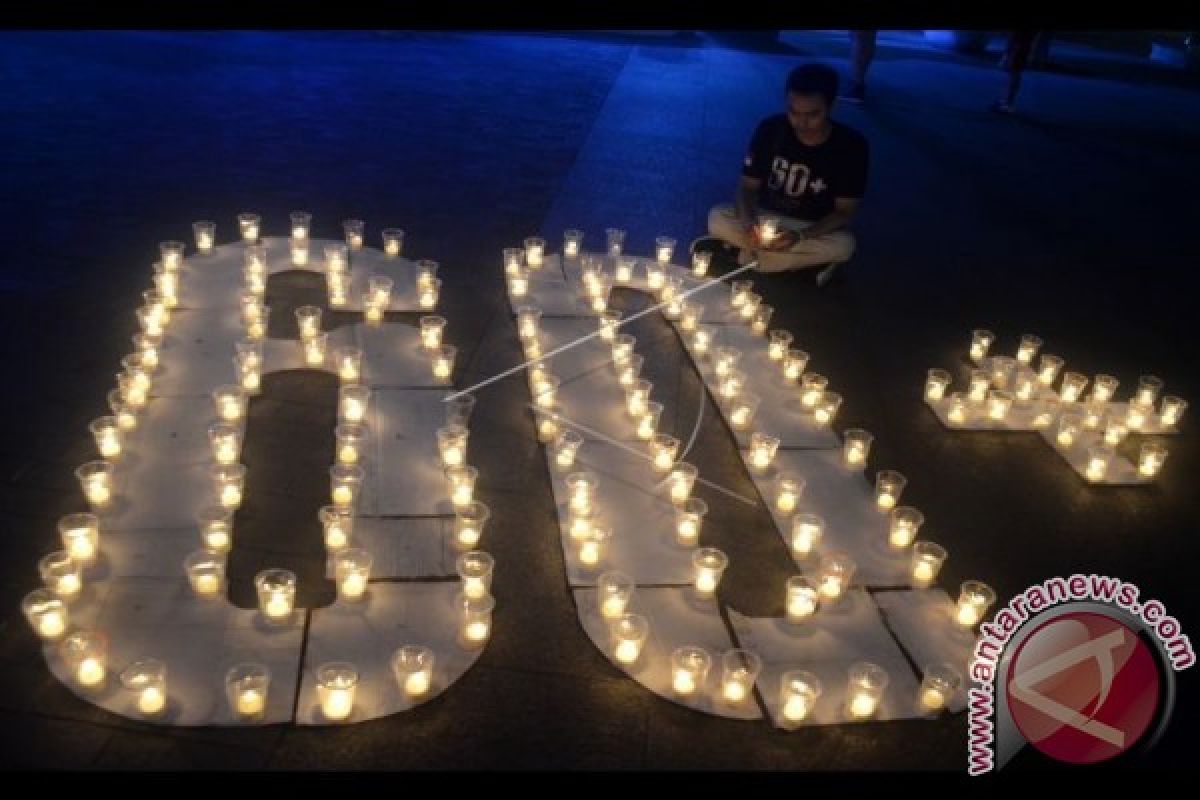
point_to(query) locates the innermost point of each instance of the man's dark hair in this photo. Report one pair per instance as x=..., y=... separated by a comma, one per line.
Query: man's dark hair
x=814, y=79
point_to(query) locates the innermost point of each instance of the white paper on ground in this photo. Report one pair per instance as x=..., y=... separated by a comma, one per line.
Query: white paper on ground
x=642, y=520
x=676, y=618
x=923, y=622
x=198, y=639
x=393, y=356
x=197, y=352
x=366, y=634
x=408, y=474
x=838, y=636
x=406, y=548
x=780, y=413
x=846, y=501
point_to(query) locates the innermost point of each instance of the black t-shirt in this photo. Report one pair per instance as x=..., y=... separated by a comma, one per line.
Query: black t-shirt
x=802, y=181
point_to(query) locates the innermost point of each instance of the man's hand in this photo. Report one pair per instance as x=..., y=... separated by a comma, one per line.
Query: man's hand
x=784, y=239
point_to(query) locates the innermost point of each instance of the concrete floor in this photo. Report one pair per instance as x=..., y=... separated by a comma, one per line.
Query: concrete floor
x=1073, y=220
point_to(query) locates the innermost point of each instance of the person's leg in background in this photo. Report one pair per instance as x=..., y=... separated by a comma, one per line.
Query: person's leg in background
x=723, y=223
x=1016, y=57
x=862, y=50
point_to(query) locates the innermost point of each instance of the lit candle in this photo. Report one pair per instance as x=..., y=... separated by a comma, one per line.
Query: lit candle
x=393, y=241
x=799, y=691
x=629, y=633
x=477, y=620
x=787, y=492
x=702, y=340
x=762, y=450
x=614, y=590
x=276, y=590
x=973, y=602
x=1151, y=458
x=905, y=523
x=566, y=448
x=936, y=383
x=801, y=599
x=981, y=340
x=535, y=251
x=739, y=669
x=806, y=532
x=648, y=424
x=655, y=275
x=95, y=477
x=623, y=272
x=865, y=689
x=1135, y=417
x=1172, y=410
x=152, y=700
x=708, y=564
x=889, y=484
x=90, y=672
x=427, y=296
x=80, y=534
x=443, y=362
x=1098, y=461
x=834, y=574
x=205, y=236
x=664, y=448
x=336, y=684
x=46, y=613
x=278, y=607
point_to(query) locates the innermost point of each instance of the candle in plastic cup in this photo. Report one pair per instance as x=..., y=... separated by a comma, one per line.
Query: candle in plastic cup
x=393, y=242
x=762, y=450
x=171, y=255
x=1028, y=348
x=1103, y=388
x=206, y=236
x=46, y=613
x=225, y=441
x=938, y=687
x=664, y=248
x=647, y=426
x=469, y=523
x=476, y=621
x=108, y=437
x=974, y=599
x=1099, y=459
x=701, y=261
x=126, y=415
x=80, y=535
x=1147, y=391
x=856, y=446
x=336, y=685
x=798, y=693
x=750, y=307
x=352, y=403
x=1171, y=411
x=205, y=572
x=629, y=633
x=1048, y=368
x=761, y=319
x=935, y=384
x=1151, y=458
x=903, y=526
x=345, y=482
x=742, y=410
x=1073, y=385
x=427, y=294
x=147, y=678
x=794, y=363
x=86, y=654
x=216, y=529
x=301, y=223
x=866, y=684
x=443, y=362
x=338, y=525
x=801, y=599
x=788, y=488
x=739, y=291
x=249, y=225
x=725, y=360
x=351, y=573
x=708, y=565
x=246, y=688
x=663, y=449
x=413, y=667
x=228, y=484
x=689, y=517
x=981, y=341
x=999, y=403
x=1069, y=428
x=889, y=485
x=826, y=409
x=95, y=477
x=978, y=386
x=581, y=490
x=354, y=231
x=689, y=669
x=807, y=529
x=591, y=545
x=475, y=570
x=566, y=448
x=572, y=243
x=535, y=252
x=230, y=402
x=927, y=560
x=834, y=575
x=452, y=445
x=613, y=592
x=739, y=669
x=276, y=589
x=61, y=574
x=680, y=482
x=779, y=342
x=299, y=250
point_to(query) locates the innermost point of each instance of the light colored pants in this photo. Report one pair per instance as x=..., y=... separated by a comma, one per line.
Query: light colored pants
x=831, y=248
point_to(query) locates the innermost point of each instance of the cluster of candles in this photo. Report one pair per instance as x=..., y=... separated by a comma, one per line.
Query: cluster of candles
x=1001, y=383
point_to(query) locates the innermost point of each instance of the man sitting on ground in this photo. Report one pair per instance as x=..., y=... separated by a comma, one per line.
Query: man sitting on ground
x=802, y=182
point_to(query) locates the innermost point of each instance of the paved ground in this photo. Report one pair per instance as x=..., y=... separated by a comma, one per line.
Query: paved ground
x=1074, y=220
